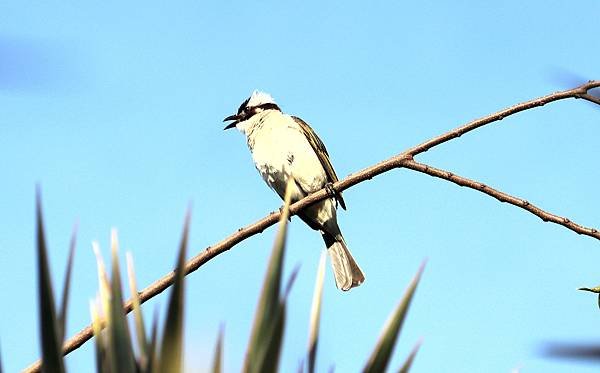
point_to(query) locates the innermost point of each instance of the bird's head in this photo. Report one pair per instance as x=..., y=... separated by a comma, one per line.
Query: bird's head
x=256, y=103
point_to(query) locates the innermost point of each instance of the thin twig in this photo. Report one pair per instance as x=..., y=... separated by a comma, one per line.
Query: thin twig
x=402, y=160
x=590, y=98
x=579, y=92
x=502, y=197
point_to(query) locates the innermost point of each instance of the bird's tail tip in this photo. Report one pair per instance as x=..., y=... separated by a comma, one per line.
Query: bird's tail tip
x=346, y=271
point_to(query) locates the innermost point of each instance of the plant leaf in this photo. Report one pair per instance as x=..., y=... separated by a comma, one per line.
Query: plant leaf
x=120, y=347
x=269, y=352
x=0, y=362
x=315, y=314
x=103, y=283
x=62, y=315
x=52, y=357
x=383, y=350
x=405, y=368
x=152, y=358
x=269, y=316
x=218, y=359
x=172, y=343
x=99, y=338
x=137, y=313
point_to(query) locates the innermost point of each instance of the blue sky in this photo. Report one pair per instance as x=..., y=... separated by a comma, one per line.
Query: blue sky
x=116, y=109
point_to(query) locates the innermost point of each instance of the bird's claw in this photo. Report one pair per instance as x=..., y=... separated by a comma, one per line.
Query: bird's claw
x=281, y=212
x=331, y=192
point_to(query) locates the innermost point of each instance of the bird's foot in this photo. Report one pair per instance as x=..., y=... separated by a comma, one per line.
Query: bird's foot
x=281, y=212
x=331, y=192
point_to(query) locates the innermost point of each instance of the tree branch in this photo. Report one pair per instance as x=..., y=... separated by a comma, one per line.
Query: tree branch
x=590, y=98
x=402, y=160
x=579, y=92
x=502, y=197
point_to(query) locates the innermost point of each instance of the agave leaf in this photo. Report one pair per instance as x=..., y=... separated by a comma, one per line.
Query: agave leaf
x=0, y=363
x=218, y=359
x=269, y=315
x=380, y=356
x=103, y=282
x=152, y=358
x=62, y=315
x=268, y=353
x=315, y=315
x=405, y=368
x=100, y=341
x=120, y=347
x=52, y=357
x=137, y=312
x=172, y=343
x=101, y=314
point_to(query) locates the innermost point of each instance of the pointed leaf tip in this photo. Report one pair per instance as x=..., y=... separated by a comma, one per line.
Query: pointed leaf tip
x=263, y=349
x=218, y=359
x=1, y=361
x=315, y=314
x=405, y=368
x=381, y=355
x=99, y=338
x=137, y=313
x=120, y=347
x=52, y=358
x=172, y=344
x=62, y=314
x=153, y=346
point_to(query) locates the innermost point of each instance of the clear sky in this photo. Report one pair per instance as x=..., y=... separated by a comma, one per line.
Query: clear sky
x=116, y=109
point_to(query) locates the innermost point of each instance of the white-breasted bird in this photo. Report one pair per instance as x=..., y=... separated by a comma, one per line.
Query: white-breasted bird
x=284, y=145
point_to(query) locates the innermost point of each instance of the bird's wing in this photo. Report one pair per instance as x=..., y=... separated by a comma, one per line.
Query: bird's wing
x=321, y=151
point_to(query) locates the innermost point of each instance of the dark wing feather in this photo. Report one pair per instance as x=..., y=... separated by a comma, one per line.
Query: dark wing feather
x=321, y=152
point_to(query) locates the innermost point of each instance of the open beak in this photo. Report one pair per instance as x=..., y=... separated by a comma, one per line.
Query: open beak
x=235, y=118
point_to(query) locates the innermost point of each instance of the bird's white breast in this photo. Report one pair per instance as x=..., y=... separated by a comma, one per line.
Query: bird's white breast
x=279, y=149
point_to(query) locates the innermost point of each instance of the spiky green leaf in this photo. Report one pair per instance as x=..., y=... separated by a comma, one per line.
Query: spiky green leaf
x=101, y=349
x=62, y=315
x=380, y=356
x=52, y=357
x=137, y=314
x=120, y=347
x=315, y=314
x=152, y=346
x=269, y=317
x=218, y=359
x=1, y=362
x=405, y=368
x=103, y=282
x=172, y=343
x=268, y=353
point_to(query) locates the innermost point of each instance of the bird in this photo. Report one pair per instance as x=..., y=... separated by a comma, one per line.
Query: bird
x=284, y=146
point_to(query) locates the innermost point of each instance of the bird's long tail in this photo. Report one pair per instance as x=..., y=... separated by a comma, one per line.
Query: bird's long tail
x=345, y=269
